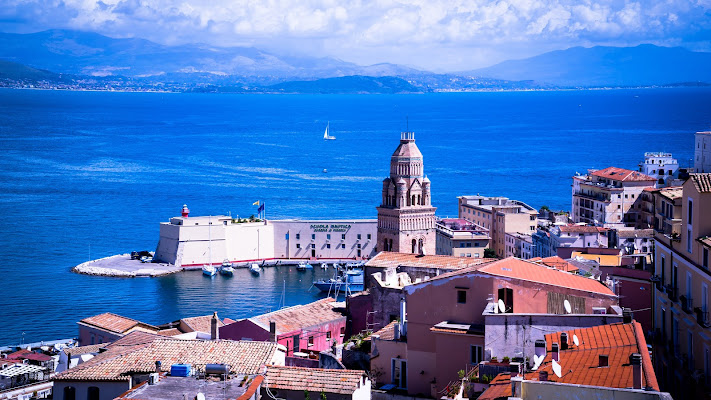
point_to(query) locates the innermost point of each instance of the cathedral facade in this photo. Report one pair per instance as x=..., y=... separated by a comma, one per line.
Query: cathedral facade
x=406, y=218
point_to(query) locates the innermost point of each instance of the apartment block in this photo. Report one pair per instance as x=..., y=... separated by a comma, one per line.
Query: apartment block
x=461, y=238
x=681, y=297
x=702, y=152
x=501, y=216
x=608, y=197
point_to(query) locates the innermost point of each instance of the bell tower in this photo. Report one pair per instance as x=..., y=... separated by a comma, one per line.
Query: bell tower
x=406, y=218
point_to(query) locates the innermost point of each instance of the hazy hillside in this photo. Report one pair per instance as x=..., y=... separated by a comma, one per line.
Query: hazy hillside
x=348, y=84
x=97, y=55
x=606, y=66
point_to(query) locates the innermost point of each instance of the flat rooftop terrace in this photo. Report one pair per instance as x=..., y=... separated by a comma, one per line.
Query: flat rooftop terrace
x=172, y=388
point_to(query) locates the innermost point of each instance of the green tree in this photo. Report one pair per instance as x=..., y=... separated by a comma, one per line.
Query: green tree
x=489, y=253
x=306, y=395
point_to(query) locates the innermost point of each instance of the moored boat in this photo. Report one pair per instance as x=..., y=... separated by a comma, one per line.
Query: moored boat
x=303, y=266
x=226, y=269
x=209, y=270
x=350, y=282
x=255, y=269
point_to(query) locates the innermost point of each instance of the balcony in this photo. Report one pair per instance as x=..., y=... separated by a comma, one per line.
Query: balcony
x=686, y=304
x=672, y=292
x=658, y=283
x=702, y=317
x=598, y=197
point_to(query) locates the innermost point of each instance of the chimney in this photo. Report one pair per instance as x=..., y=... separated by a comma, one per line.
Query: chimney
x=626, y=316
x=272, y=331
x=636, y=361
x=542, y=376
x=214, y=332
x=158, y=364
x=603, y=360
x=564, y=341
x=555, y=351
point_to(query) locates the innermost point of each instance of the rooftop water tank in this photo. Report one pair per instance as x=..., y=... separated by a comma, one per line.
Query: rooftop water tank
x=180, y=370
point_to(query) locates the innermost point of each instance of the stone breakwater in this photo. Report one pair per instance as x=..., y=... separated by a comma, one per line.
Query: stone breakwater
x=122, y=266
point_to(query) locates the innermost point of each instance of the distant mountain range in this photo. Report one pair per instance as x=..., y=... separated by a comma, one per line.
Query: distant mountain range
x=643, y=65
x=81, y=59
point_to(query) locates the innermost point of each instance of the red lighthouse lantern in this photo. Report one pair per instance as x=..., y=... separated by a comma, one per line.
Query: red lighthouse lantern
x=185, y=211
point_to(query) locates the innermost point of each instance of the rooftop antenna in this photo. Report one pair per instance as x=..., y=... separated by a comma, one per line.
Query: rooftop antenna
x=407, y=124
x=557, y=369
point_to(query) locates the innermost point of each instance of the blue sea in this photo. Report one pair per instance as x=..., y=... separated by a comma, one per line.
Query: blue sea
x=85, y=175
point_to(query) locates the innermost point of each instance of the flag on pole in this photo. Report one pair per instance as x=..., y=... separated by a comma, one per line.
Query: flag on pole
x=261, y=208
x=256, y=203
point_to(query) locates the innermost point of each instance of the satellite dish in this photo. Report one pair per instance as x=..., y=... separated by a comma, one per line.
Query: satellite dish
x=537, y=361
x=566, y=304
x=502, y=306
x=557, y=369
x=575, y=340
x=200, y=396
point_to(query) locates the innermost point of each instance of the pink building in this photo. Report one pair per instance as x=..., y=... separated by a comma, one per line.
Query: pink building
x=308, y=328
x=444, y=324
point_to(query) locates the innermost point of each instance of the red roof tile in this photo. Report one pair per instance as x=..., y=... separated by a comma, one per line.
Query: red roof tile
x=202, y=323
x=582, y=229
x=300, y=317
x=388, y=331
x=702, y=182
x=558, y=263
x=113, y=323
x=245, y=357
x=580, y=363
x=386, y=259
x=519, y=269
x=340, y=381
x=500, y=388
x=621, y=174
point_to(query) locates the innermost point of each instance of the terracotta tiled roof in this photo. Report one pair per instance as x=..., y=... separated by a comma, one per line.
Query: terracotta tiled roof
x=500, y=388
x=387, y=259
x=618, y=341
x=133, y=339
x=621, y=174
x=388, y=331
x=582, y=229
x=75, y=351
x=244, y=357
x=702, y=182
x=635, y=233
x=170, y=332
x=300, y=317
x=340, y=381
x=672, y=193
x=519, y=269
x=36, y=357
x=202, y=323
x=558, y=263
x=113, y=323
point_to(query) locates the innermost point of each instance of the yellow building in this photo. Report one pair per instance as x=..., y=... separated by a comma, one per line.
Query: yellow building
x=682, y=350
x=500, y=216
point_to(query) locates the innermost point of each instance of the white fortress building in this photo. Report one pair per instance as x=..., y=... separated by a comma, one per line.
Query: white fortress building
x=194, y=241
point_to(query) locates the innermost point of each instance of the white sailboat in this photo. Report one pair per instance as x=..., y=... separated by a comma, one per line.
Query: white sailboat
x=326, y=136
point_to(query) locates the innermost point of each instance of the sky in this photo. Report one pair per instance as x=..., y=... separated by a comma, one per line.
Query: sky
x=437, y=35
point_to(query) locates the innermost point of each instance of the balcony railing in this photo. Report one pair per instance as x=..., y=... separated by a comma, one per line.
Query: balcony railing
x=686, y=304
x=672, y=292
x=702, y=317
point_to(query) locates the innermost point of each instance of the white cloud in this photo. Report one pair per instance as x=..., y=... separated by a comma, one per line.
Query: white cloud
x=379, y=30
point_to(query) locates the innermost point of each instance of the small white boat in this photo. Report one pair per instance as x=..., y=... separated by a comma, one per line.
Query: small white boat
x=326, y=136
x=325, y=171
x=209, y=270
x=303, y=266
x=255, y=269
x=226, y=269
x=324, y=266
